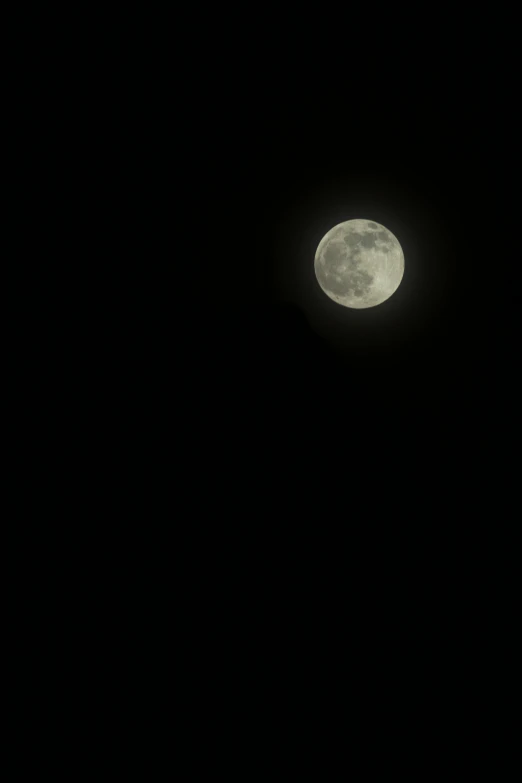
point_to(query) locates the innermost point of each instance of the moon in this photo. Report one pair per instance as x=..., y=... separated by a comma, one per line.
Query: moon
x=359, y=263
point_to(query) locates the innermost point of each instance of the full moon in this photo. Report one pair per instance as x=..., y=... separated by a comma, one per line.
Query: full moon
x=359, y=263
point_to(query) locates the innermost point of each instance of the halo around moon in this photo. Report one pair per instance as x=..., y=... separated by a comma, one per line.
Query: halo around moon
x=359, y=263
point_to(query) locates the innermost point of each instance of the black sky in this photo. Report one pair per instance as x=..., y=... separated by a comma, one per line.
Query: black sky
x=315, y=458
x=224, y=182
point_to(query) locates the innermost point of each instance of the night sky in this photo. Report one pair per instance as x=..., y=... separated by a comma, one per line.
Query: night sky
x=317, y=457
x=289, y=405
x=400, y=392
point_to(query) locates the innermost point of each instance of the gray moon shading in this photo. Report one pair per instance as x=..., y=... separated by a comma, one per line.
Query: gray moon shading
x=359, y=263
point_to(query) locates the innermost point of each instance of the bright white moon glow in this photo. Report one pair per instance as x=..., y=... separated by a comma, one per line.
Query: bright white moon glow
x=359, y=263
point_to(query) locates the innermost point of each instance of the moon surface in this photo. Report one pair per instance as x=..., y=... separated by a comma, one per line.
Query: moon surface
x=359, y=263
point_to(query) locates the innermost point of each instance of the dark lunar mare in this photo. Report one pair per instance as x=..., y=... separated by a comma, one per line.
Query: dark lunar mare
x=353, y=239
x=368, y=240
